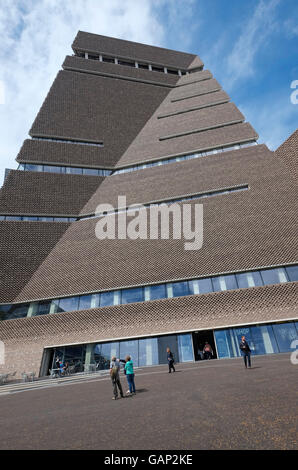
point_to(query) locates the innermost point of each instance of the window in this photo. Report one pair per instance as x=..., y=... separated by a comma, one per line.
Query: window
x=200, y=286
x=85, y=302
x=44, y=307
x=111, y=60
x=155, y=292
x=68, y=304
x=226, y=282
x=90, y=171
x=92, y=56
x=250, y=279
x=126, y=63
x=274, y=276
x=180, y=289
x=292, y=272
x=74, y=171
x=285, y=333
x=143, y=66
x=130, y=348
x=148, y=352
x=30, y=167
x=107, y=299
x=157, y=69
x=132, y=295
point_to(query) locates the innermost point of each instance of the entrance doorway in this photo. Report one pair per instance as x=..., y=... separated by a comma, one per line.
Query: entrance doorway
x=200, y=339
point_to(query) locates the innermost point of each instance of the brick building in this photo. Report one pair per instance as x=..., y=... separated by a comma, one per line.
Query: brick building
x=123, y=118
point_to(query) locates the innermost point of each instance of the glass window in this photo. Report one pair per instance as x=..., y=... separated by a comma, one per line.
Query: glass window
x=74, y=171
x=243, y=331
x=75, y=356
x=148, y=352
x=132, y=295
x=17, y=311
x=2, y=217
x=13, y=217
x=155, y=292
x=52, y=169
x=249, y=279
x=226, y=344
x=103, y=352
x=47, y=219
x=180, y=289
x=69, y=304
x=85, y=302
x=90, y=171
x=30, y=167
x=274, y=276
x=284, y=333
x=263, y=339
x=44, y=307
x=95, y=300
x=226, y=282
x=107, y=299
x=130, y=348
x=185, y=348
x=292, y=272
x=200, y=286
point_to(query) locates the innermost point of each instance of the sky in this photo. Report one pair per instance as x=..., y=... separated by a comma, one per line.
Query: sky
x=250, y=46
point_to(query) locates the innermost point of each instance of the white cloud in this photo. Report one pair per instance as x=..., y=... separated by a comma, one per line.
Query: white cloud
x=255, y=32
x=36, y=36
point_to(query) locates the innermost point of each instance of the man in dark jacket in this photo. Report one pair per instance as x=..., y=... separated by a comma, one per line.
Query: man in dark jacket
x=170, y=358
x=245, y=349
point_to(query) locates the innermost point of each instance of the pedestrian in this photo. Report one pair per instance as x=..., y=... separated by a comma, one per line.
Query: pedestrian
x=245, y=349
x=170, y=357
x=208, y=351
x=115, y=377
x=130, y=375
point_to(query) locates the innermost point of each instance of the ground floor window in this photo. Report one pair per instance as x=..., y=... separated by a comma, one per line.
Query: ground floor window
x=192, y=346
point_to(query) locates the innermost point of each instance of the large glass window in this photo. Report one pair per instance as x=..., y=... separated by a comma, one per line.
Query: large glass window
x=85, y=302
x=148, y=352
x=69, y=304
x=185, y=348
x=292, y=272
x=226, y=282
x=285, y=333
x=263, y=339
x=250, y=279
x=274, y=276
x=106, y=299
x=180, y=289
x=103, y=352
x=132, y=295
x=226, y=343
x=44, y=307
x=200, y=286
x=130, y=348
x=155, y=292
x=10, y=312
x=243, y=331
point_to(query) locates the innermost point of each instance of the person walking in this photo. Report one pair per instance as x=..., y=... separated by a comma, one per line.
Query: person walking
x=115, y=377
x=170, y=357
x=245, y=349
x=130, y=376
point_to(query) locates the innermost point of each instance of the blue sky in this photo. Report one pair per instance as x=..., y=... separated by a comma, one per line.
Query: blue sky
x=250, y=46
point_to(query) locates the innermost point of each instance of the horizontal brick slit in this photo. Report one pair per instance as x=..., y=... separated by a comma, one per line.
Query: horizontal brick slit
x=196, y=131
x=202, y=106
x=196, y=94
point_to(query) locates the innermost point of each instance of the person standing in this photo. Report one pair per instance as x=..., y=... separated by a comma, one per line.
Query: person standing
x=170, y=357
x=115, y=377
x=208, y=351
x=130, y=376
x=245, y=349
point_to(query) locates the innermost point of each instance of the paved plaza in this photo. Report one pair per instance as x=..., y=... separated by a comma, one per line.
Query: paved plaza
x=207, y=405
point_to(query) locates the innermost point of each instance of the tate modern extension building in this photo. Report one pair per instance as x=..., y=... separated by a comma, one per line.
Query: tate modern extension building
x=150, y=124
